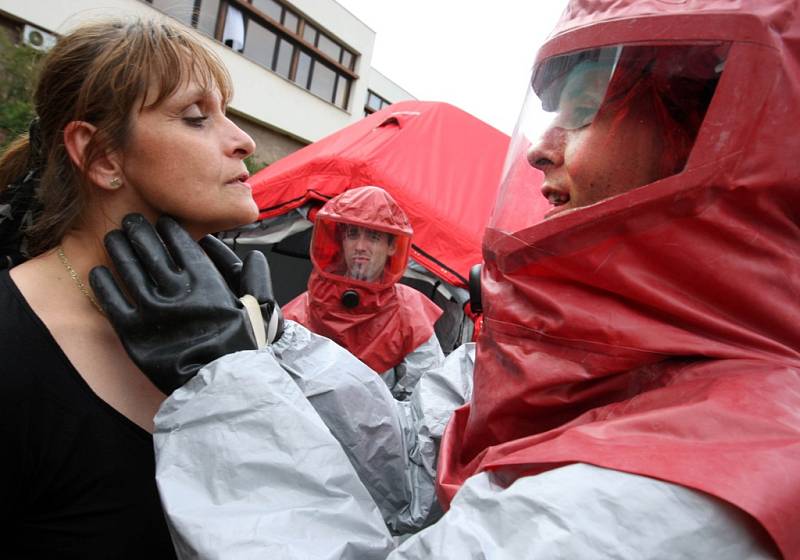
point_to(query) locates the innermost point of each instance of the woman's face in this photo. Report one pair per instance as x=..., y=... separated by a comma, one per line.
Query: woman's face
x=589, y=162
x=184, y=157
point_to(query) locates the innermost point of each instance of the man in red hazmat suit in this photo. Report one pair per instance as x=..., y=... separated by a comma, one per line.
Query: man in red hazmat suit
x=359, y=252
x=637, y=379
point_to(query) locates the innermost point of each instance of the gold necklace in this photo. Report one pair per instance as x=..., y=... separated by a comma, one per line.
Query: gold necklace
x=77, y=279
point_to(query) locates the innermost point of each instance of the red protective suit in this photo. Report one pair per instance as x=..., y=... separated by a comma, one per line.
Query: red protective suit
x=390, y=320
x=658, y=332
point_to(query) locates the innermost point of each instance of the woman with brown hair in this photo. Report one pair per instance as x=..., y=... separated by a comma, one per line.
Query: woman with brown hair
x=130, y=118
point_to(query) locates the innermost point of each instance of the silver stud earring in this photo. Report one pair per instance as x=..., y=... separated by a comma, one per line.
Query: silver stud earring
x=115, y=183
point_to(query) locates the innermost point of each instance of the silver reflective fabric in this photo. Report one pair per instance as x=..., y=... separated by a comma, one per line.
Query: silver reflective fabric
x=247, y=469
x=403, y=378
x=392, y=445
x=355, y=404
x=299, y=452
x=583, y=511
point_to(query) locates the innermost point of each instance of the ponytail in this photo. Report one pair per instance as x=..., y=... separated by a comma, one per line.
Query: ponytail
x=15, y=161
x=20, y=171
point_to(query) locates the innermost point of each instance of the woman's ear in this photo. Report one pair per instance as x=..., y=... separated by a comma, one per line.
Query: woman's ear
x=105, y=171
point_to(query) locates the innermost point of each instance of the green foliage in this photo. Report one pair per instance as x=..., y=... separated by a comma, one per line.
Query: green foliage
x=253, y=165
x=18, y=66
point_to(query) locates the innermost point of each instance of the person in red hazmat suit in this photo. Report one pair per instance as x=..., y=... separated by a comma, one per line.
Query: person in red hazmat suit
x=359, y=251
x=635, y=389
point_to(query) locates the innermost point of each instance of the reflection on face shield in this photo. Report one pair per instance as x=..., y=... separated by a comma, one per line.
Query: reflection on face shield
x=575, y=86
x=366, y=251
x=601, y=122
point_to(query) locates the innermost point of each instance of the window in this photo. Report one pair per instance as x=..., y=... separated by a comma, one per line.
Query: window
x=283, y=62
x=278, y=38
x=179, y=9
x=302, y=73
x=269, y=7
x=374, y=103
x=329, y=47
x=348, y=59
x=323, y=81
x=342, y=91
x=310, y=33
x=260, y=44
x=207, y=16
x=290, y=21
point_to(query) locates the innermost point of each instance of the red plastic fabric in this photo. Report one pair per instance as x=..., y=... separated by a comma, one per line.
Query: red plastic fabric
x=658, y=332
x=391, y=320
x=440, y=164
x=387, y=325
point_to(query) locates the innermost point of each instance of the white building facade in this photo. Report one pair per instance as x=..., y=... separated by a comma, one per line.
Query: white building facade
x=301, y=68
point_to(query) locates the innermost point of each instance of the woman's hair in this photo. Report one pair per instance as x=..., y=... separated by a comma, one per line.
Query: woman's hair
x=102, y=73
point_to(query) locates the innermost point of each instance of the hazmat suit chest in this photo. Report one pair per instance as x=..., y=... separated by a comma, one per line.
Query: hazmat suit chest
x=388, y=323
x=657, y=332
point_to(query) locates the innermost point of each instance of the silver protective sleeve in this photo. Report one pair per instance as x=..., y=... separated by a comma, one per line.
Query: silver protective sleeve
x=403, y=378
x=392, y=445
x=355, y=404
x=246, y=469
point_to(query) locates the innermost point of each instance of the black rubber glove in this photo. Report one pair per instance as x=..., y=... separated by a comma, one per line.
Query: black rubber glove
x=182, y=315
x=249, y=277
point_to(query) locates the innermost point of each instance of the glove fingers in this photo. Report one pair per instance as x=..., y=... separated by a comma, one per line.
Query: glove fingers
x=155, y=259
x=227, y=262
x=187, y=253
x=110, y=297
x=131, y=272
x=255, y=278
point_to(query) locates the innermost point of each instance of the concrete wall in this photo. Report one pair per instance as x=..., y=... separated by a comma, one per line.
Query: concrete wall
x=271, y=145
x=386, y=88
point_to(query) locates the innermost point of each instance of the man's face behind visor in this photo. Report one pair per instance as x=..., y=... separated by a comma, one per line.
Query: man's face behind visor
x=366, y=251
x=601, y=122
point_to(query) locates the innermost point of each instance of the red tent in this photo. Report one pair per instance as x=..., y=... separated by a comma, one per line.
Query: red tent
x=440, y=164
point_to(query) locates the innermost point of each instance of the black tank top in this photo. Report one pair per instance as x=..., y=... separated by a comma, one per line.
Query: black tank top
x=77, y=478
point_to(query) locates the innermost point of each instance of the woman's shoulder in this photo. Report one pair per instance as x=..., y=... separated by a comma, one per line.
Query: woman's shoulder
x=27, y=349
x=13, y=308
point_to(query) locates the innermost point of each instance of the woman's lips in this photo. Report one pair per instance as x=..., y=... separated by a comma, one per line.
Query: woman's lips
x=240, y=180
x=238, y=183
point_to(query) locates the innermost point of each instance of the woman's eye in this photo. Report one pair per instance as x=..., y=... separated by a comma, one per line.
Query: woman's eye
x=196, y=121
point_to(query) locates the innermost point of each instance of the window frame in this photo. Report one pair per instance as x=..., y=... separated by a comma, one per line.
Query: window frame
x=343, y=73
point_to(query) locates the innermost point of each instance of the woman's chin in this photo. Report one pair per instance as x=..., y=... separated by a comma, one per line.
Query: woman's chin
x=200, y=227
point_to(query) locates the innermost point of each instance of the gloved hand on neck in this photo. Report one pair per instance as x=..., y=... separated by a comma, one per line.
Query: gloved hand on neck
x=174, y=310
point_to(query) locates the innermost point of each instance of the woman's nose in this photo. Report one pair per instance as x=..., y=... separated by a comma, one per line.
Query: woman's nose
x=243, y=145
x=548, y=151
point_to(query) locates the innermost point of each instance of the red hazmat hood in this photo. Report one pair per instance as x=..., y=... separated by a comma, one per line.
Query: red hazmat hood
x=657, y=332
x=440, y=164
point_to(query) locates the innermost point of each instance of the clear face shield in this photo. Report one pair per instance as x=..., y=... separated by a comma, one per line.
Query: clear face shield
x=601, y=122
x=358, y=253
